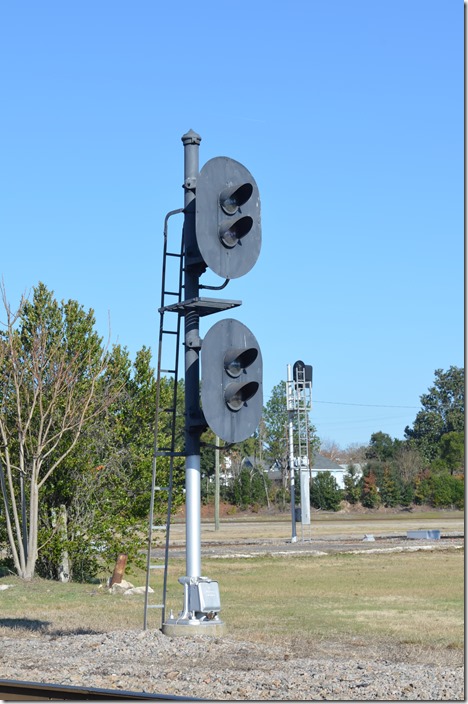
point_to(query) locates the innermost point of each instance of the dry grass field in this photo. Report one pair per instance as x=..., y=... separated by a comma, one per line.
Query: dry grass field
x=408, y=597
x=300, y=625
x=415, y=597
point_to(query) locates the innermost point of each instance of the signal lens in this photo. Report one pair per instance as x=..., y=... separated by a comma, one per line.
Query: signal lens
x=236, y=395
x=231, y=199
x=235, y=361
x=231, y=233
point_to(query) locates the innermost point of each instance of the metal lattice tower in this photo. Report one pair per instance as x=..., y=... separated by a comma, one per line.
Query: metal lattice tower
x=303, y=394
x=299, y=403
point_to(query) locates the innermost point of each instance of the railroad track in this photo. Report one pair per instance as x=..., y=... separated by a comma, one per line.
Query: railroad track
x=210, y=548
x=38, y=691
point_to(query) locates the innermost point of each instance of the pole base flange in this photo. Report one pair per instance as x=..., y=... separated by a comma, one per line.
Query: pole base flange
x=191, y=627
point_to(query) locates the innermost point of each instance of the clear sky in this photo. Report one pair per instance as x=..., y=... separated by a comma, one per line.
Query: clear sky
x=350, y=116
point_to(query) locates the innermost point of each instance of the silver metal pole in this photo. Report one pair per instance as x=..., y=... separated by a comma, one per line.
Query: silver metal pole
x=193, y=515
x=191, y=142
x=197, y=589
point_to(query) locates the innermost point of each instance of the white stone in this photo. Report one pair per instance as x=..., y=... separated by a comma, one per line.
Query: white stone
x=138, y=590
x=121, y=587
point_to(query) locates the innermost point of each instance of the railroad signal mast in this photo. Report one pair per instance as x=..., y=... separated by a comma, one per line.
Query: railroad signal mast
x=222, y=232
x=299, y=403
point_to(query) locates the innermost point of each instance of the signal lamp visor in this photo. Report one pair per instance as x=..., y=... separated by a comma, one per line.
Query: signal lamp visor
x=235, y=361
x=231, y=199
x=231, y=233
x=236, y=395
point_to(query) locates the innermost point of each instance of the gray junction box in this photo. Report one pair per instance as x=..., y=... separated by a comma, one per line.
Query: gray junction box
x=204, y=597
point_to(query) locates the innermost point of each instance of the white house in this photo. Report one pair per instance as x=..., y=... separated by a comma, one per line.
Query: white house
x=323, y=464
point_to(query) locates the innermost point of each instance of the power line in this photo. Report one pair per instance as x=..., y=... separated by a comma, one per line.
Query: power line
x=367, y=405
x=359, y=421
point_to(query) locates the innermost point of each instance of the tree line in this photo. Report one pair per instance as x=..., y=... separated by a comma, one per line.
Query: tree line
x=427, y=467
x=77, y=419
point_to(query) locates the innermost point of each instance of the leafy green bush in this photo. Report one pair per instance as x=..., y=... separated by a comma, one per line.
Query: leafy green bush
x=390, y=493
x=440, y=489
x=422, y=487
x=407, y=494
x=324, y=492
x=352, y=482
x=249, y=488
x=447, y=490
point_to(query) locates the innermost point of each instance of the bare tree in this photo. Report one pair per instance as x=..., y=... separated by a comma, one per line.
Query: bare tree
x=52, y=386
x=354, y=454
x=409, y=463
x=329, y=448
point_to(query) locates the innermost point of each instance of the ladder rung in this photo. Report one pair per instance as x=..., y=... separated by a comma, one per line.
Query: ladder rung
x=161, y=488
x=171, y=293
x=173, y=254
x=169, y=332
x=156, y=567
x=155, y=606
x=158, y=527
x=168, y=371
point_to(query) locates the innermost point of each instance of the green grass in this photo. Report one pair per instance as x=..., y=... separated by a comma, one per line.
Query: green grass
x=415, y=598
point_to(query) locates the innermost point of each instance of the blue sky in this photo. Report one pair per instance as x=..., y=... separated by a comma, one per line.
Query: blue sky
x=349, y=116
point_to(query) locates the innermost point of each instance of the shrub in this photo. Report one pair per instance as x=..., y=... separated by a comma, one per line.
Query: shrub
x=441, y=490
x=407, y=494
x=370, y=495
x=324, y=492
x=447, y=490
x=422, y=488
x=352, y=482
x=282, y=499
x=249, y=488
x=390, y=493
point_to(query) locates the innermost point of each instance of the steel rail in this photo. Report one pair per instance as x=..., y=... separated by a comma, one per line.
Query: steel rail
x=20, y=690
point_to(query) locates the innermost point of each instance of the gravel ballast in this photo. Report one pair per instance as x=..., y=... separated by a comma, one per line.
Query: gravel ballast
x=228, y=668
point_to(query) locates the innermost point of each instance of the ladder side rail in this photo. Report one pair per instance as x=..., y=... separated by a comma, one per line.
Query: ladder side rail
x=153, y=468
x=173, y=436
x=156, y=421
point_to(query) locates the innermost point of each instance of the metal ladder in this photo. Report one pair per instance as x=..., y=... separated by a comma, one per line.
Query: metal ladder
x=169, y=452
x=303, y=405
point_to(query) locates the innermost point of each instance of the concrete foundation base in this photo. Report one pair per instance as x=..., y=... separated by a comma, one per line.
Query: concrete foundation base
x=191, y=627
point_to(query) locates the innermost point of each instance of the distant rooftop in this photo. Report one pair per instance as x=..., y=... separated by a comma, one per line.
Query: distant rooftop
x=321, y=462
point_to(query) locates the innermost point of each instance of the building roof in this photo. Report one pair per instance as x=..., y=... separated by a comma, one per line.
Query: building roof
x=321, y=462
